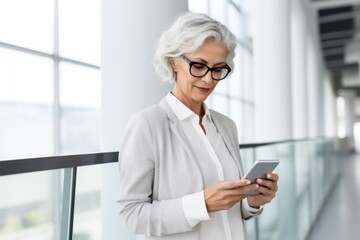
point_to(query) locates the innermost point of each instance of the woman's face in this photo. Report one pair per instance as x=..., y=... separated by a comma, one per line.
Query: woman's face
x=193, y=91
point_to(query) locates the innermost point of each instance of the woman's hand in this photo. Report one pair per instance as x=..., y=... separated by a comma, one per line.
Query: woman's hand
x=267, y=189
x=223, y=195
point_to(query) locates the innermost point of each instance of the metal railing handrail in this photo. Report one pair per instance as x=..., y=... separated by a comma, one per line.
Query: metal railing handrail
x=15, y=166
x=26, y=165
x=254, y=145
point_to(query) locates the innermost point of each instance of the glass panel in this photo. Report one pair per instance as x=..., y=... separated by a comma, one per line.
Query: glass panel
x=357, y=135
x=25, y=105
x=250, y=228
x=221, y=87
x=217, y=10
x=314, y=160
x=80, y=113
x=272, y=222
x=248, y=133
x=79, y=86
x=87, y=218
x=28, y=206
x=238, y=2
x=302, y=187
x=26, y=130
x=220, y=103
x=80, y=130
x=247, y=20
x=303, y=214
x=235, y=77
x=27, y=23
x=25, y=77
x=247, y=157
x=235, y=21
x=200, y=6
x=79, y=30
x=236, y=114
x=341, y=126
x=247, y=78
x=302, y=168
x=316, y=177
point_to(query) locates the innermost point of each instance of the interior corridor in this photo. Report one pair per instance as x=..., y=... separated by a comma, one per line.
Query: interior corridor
x=340, y=218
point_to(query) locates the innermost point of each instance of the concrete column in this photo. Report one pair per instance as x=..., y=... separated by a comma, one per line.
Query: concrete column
x=298, y=70
x=272, y=70
x=314, y=90
x=130, y=30
x=329, y=106
x=350, y=119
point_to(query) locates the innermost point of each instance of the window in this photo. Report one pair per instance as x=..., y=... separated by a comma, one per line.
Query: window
x=49, y=105
x=234, y=96
x=341, y=127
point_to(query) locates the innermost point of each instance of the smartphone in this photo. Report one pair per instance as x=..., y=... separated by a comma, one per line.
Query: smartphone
x=259, y=170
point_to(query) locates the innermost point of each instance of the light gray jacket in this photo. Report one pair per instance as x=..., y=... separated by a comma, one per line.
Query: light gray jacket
x=158, y=166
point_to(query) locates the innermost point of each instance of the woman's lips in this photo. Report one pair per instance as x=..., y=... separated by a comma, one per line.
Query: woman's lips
x=204, y=90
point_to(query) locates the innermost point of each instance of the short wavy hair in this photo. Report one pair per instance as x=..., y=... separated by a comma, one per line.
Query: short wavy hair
x=186, y=35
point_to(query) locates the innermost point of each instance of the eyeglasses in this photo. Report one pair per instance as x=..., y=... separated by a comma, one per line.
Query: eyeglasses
x=199, y=70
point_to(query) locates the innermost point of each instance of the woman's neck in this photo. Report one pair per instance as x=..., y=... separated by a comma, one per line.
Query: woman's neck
x=196, y=107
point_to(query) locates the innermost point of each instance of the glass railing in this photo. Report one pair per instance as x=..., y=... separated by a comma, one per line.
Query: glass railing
x=59, y=197
x=52, y=198
x=308, y=171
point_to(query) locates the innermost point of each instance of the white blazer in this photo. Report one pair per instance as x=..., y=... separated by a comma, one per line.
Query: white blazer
x=158, y=166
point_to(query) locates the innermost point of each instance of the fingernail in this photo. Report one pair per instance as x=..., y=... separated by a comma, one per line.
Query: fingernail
x=248, y=182
x=268, y=176
x=259, y=181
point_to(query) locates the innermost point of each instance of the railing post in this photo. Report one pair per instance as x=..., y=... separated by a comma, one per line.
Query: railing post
x=256, y=219
x=68, y=203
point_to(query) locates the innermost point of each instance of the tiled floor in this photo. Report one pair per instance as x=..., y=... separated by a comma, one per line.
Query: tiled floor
x=340, y=218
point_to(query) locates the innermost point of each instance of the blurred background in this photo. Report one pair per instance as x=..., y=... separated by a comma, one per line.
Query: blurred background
x=72, y=72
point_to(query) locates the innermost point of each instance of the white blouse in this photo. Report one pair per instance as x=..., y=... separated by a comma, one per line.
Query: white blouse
x=220, y=166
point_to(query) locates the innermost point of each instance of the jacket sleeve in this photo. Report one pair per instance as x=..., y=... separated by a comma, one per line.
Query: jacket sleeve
x=249, y=212
x=141, y=214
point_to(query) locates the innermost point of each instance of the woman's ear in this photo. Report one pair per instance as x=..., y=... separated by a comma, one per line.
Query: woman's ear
x=173, y=65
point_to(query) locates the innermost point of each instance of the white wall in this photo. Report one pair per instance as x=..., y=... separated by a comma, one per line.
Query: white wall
x=298, y=70
x=350, y=119
x=272, y=75
x=130, y=30
x=330, y=121
x=313, y=89
x=289, y=72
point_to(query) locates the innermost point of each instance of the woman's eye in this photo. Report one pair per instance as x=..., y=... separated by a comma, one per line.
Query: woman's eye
x=199, y=66
x=218, y=70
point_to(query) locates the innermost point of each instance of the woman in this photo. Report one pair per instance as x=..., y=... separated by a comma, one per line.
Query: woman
x=180, y=166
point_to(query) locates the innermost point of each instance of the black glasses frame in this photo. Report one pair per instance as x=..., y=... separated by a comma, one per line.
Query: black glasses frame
x=191, y=63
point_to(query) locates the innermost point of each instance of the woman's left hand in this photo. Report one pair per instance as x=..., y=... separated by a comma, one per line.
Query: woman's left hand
x=267, y=189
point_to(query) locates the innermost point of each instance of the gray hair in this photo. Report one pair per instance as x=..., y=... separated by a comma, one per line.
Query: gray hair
x=186, y=35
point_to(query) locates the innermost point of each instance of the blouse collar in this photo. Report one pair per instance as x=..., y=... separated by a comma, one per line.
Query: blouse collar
x=181, y=110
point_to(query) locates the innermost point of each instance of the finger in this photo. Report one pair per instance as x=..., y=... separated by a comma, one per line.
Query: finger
x=236, y=184
x=269, y=184
x=240, y=191
x=266, y=192
x=264, y=182
x=245, y=189
x=272, y=176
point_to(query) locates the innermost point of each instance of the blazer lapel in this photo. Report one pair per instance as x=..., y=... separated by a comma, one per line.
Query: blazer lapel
x=177, y=129
x=230, y=144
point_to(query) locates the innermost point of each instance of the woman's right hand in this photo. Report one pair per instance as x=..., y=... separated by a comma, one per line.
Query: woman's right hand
x=223, y=195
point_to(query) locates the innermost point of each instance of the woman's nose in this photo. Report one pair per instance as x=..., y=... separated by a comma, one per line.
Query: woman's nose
x=207, y=77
